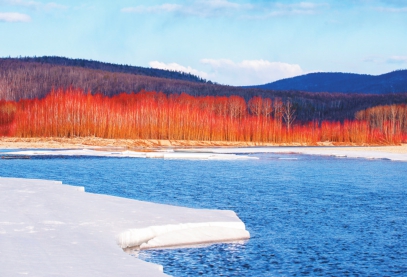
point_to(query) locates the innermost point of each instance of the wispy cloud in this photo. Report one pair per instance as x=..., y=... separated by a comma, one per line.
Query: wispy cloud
x=391, y=9
x=14, y=17
x=214, y=8
x=397, y=59
x=154, y=9
x=302, y=8
x=389, y=6
x=281, y=9
x=34, y=5
x=386, y=60
x=198, y=8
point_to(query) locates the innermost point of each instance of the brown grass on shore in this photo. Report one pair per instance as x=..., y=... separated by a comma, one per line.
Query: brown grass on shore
x=139, y=144
x=92, y=142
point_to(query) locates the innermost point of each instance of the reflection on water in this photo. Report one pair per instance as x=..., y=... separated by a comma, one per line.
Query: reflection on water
x=307, y=215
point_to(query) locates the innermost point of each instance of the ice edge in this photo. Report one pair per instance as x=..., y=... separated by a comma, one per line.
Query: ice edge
x=173, y=235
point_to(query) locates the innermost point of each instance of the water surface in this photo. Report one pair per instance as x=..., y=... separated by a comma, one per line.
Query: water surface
x=307, y=215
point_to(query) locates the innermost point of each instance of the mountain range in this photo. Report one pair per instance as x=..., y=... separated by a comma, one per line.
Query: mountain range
x=393, y=82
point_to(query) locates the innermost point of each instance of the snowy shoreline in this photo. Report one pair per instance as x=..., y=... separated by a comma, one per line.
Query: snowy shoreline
x=160, y=154
x=340, y=152
x=219, y=153
x=51, y=229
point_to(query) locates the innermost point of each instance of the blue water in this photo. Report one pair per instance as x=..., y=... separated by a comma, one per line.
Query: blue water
x=310, y=216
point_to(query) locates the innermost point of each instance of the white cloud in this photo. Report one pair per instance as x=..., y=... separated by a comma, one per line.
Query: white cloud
x=34, y=5
x=200, y=8
x=178, y=67
x=213, y=8
x=247, y=72
x=397, y=59
x=250, y=72
x=302, y=8
x=153, y=9
x=14, y=17
x=386, y=60
x=392, y=10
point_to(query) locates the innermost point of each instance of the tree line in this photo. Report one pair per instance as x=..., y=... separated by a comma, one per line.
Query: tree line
x=20, y=79
x=155, y=115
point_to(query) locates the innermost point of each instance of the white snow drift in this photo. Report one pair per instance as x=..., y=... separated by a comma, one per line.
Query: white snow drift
x=50, y=229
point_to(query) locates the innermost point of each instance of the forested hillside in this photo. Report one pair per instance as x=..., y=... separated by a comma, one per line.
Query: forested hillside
x=21, y=79
x=119, y=68
x=393, y=82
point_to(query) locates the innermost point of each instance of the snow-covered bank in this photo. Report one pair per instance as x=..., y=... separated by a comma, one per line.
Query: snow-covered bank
x=164, y=154
x=223, y=153
x=342, y=152
x=50, y=229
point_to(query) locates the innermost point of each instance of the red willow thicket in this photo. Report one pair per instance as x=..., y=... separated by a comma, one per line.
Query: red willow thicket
x=152, y=115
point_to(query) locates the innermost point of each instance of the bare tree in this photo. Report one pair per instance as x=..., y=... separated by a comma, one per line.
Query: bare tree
x=255, y=105
x=289, y=114
x=278, y=111
x=267, y=107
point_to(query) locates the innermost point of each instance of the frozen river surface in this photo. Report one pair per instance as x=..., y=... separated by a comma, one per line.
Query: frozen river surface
x=307, y=215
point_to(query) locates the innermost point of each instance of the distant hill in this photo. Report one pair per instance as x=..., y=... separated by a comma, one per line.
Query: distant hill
x=393, y=82
x=119, y=68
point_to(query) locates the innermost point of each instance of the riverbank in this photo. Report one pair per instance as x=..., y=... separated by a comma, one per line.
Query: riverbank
x=90, y=142
x=147, y=145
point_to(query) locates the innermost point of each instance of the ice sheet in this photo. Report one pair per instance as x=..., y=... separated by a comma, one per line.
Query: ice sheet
x=169, y=154
x=50, y=229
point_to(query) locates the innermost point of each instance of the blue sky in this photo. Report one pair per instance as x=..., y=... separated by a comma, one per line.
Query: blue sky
x=235, y=42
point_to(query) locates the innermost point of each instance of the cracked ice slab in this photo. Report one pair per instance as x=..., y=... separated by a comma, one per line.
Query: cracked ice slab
x=51, y=229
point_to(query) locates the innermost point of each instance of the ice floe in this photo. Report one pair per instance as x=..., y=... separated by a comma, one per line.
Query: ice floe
x=51, y=229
